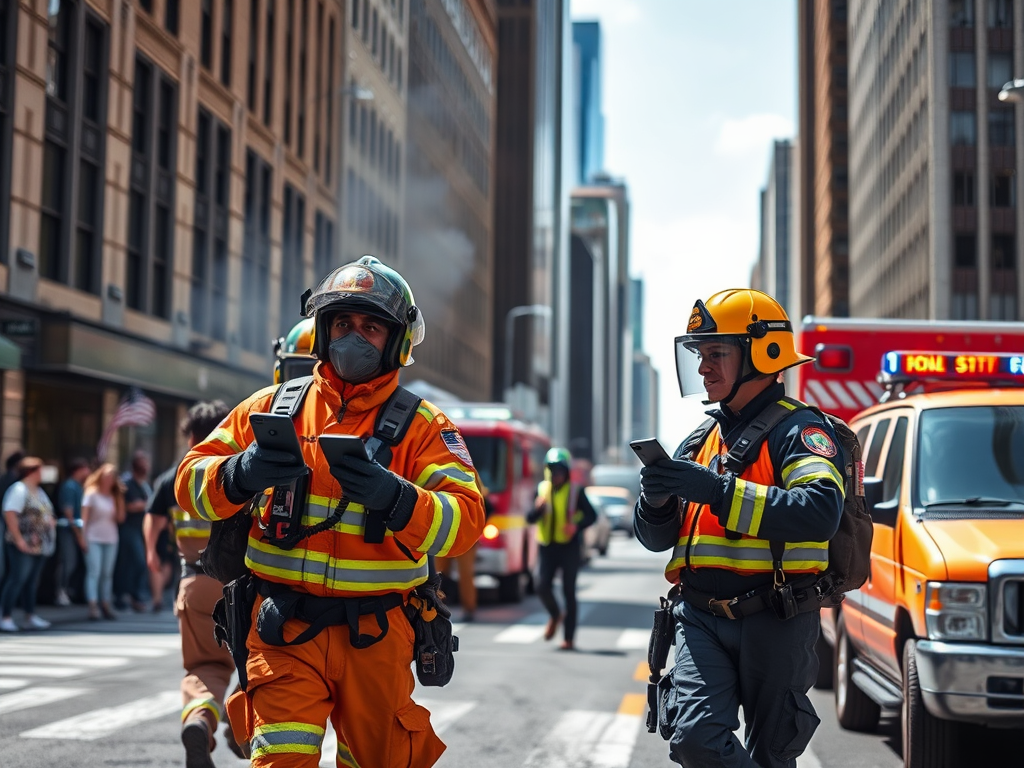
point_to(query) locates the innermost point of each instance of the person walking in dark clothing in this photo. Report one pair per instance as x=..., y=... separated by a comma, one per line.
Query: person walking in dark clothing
x=7, y=479
x=561, y=512
x=130, y=573
x=69, y=527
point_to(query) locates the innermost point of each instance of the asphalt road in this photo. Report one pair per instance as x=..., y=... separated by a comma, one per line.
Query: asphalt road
x=105, y=694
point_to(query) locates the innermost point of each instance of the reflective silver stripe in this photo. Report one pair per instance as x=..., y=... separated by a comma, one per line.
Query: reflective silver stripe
x=191, y=524
x=336, y=573
x=440, y=473
x=447, y=507
x=200, y=497
x=282, y=738
x=748, y=497
x=319, y=508
x=793, y=474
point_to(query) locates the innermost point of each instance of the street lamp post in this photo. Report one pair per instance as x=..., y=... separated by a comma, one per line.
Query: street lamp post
x=525, y=309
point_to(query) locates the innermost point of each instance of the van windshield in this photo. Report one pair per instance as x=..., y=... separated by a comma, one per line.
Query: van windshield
x=490, y=457
x=972, y=456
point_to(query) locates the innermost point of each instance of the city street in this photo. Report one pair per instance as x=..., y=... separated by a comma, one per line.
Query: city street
x=95, y=694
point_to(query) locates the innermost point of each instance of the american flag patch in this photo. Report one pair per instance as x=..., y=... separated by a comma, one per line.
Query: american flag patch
x=457, y=446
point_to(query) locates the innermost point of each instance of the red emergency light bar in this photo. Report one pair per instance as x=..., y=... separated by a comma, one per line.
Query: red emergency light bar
x=951, y=366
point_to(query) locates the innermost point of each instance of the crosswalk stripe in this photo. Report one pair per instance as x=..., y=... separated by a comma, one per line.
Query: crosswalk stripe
x=36, y=697
x=527, y=631
x=94, y=662
x=47, y=671
x=11, y=684
x=136, y=639
x=86, y=650
x=634, y=638
x=99, y=723
x=592, y=739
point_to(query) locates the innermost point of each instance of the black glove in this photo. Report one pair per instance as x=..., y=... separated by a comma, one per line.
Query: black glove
x=376, y=488
x=255, y=469
x=684, y=478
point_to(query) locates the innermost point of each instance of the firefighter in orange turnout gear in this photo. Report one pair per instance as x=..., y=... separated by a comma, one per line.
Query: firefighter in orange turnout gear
x=747, y=623
x=364, y=567
x=208, y=666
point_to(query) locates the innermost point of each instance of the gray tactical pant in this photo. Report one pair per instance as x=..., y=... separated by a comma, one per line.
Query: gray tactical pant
x=759, y=663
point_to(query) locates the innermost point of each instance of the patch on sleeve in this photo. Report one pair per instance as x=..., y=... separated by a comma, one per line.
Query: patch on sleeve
x=818, y=441
x=457, y=446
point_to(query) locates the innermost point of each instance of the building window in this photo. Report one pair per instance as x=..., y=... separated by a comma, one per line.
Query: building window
x=1000, y=128
x=1002, y=306
x=323, y=246
x=318, y=58
x=210, y=229
x=329, y=143
x=963, y=188
x=151, y=196
x=962, y=128
x=964, y=252
x=366, y=22
x=289, y=54
x=1000, y=13
x=1000, y=69
x=268, y=71
x=355, y=19
x=965, y=306
x=1003, y=252
x=172, y=11
x=225, y=43
x=293, y=268
x=961, y=13
x=254, y=38
x=961, y=69
x=303, y=95
x=1004, y=194
x=256, y=254
x=146, y=5
x=71, y=216
x=206, y=34
x=8, y=18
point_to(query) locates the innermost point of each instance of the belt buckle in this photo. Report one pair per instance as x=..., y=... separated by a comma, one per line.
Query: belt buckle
x=724, y=606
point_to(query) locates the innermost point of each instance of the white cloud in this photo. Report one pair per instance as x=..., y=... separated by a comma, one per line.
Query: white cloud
x=613, y=11
x=751, y=134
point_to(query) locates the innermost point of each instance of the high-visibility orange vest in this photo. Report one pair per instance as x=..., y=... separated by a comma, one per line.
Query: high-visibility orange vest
x=709, y=547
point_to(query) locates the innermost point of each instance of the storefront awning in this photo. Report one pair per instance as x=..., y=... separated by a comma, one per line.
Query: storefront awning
x=10, y=355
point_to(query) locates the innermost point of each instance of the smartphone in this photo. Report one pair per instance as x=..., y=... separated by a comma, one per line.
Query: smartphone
x=649, y=451
x=275, y=432
x=335, y=447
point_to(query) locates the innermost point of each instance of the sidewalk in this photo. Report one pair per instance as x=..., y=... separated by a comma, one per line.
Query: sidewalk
x=79, y=614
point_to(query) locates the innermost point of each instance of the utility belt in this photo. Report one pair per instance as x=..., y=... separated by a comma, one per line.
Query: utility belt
x=191, y=569
x=786, y=599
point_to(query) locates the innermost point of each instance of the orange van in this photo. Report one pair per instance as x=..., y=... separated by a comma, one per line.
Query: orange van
x=937, y=631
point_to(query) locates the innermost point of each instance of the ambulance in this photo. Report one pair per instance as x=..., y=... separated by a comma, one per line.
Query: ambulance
x=937, y=632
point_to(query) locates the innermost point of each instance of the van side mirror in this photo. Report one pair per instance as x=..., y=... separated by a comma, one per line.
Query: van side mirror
x=882, y=512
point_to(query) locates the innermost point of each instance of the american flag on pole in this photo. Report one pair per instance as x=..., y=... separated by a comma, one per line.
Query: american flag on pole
x=134, y=410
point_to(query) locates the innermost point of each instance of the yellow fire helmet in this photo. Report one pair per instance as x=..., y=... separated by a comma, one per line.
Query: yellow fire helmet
x=373, y=288
x=294, y=352
x=754, y=320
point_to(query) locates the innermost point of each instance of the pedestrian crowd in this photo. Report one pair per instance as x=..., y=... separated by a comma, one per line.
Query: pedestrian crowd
x=78, y=542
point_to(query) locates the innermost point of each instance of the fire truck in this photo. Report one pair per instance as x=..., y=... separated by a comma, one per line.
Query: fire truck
x=847, y=352
x=509, y=456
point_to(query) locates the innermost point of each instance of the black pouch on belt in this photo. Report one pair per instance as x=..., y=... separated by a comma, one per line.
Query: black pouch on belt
x=232, y=616
x=435, y=646
x=662, y=637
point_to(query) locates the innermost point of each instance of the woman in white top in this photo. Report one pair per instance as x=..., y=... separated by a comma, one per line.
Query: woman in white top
x=31, y=537
x=102, y=511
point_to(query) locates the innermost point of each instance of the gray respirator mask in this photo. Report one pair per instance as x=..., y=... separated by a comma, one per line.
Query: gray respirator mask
x=354, y=358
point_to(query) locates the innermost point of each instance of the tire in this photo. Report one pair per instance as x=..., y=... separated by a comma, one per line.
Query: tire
x=510, y=588
x=826, y=664
x=854, y=710
x=928, y=742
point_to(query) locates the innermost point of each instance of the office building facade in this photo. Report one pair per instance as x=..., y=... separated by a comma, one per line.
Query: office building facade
x=173, y=192
x=588, y=115
x=775, y=265
x=935, y=213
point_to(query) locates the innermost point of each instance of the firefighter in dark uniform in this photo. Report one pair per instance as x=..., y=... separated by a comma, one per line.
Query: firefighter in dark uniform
x=721, y=527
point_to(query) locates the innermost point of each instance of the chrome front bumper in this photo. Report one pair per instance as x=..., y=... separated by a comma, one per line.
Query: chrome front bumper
x=955, y=680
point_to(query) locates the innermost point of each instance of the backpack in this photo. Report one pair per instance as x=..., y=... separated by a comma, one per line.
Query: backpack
x=224, y=556
x=849, y=551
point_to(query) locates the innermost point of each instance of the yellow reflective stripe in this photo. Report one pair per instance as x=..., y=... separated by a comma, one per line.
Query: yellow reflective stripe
x=209, y=704
x=453, y=526
x=809, y=469
x=748, y=554
x=426, y=413
x=345, y=756
x=221, y=435
x=434, y=474
x=301, y=738
x=790, y=406
x=748, y=499
x=198, y=488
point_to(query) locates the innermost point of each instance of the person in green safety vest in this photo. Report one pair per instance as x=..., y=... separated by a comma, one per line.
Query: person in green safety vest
x=561, y=512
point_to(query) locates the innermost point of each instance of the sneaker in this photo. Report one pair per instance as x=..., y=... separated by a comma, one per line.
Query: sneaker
x=62, y=599
x=552, y=627
x=8, y=625
x=195, y=735
x=34, y=622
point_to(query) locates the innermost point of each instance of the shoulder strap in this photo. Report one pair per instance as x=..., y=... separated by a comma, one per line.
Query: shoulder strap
x=289, y=397
x=742, y=452
x=394, y=418
x=692, y=444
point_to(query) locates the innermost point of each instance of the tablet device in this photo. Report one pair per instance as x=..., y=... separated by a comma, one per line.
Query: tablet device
x=649, y=451
x=335, y=447
x=275, y=432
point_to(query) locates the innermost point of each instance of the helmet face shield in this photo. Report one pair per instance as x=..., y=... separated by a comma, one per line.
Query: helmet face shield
x=726, y=355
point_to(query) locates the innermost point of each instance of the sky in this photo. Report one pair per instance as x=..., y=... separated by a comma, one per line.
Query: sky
x=694, y=94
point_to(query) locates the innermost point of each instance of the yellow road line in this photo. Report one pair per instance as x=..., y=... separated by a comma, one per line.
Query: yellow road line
x=633, y=704
x=642, y=672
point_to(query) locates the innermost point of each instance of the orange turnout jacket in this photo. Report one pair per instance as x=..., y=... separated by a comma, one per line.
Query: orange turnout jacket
x=447, y=519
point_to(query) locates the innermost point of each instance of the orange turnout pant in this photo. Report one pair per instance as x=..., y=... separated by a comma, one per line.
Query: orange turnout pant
x=366, y=693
